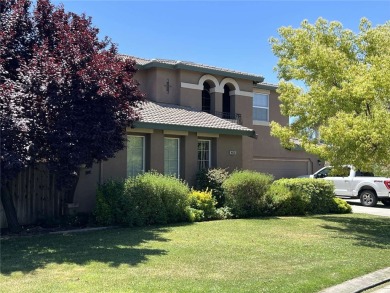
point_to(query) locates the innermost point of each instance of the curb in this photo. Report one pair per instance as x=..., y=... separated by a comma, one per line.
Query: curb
x=362, y=283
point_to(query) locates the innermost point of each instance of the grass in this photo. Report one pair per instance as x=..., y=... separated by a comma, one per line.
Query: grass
x=304, y=254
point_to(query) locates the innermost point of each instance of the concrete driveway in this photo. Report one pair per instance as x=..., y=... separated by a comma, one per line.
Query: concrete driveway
x=379, y=210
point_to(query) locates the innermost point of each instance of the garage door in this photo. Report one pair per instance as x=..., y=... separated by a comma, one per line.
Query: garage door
x=282, y=168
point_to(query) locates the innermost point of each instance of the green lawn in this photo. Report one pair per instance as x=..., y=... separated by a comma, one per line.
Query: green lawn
x=303, y=254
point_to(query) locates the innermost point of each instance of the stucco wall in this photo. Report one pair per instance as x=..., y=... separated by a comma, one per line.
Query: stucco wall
x=85, y=194
x=229, y=152
x=86, y=188
x=154, y=83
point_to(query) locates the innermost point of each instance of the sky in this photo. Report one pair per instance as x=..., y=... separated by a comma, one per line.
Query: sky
x=227, y=34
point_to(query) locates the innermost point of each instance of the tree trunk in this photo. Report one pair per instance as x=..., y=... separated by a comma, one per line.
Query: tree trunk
x=9, y=209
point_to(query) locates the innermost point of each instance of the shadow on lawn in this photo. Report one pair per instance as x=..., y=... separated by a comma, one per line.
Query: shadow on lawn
x=114, y=247
x=370, y=232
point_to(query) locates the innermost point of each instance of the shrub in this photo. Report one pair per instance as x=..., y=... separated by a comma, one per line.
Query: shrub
x=203, y=201
x=340, y=206
x=156, y=199
x=194, y=215
x=304, y=196
x=150, y=198
x=224, y=213
x=285, y=202
x=111, y=204
x=212, y=179
x=246, y=193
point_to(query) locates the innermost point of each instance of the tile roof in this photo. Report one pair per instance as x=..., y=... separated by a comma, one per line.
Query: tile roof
x=266, y=85
x=140, y=61
x=146, y=63
x=169, y=116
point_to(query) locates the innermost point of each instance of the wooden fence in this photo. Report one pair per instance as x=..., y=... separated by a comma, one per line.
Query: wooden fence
x=35, y=197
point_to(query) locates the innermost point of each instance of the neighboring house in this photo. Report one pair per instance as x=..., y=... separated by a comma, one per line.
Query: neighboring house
x=198, y=116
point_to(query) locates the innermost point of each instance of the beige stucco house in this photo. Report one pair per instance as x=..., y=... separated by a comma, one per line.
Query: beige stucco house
x=198, y=116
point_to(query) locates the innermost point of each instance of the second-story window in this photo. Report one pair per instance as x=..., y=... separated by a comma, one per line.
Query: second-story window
x=260, y=107
x=206, y=100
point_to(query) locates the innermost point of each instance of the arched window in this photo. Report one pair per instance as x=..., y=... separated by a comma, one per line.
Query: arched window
x=206, y=100
x=226, y=102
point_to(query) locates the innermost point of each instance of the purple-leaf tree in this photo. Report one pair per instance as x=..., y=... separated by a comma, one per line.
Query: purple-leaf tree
x=66, y=96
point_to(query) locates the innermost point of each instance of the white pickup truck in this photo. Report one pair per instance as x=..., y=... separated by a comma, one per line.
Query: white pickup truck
x=355, y=184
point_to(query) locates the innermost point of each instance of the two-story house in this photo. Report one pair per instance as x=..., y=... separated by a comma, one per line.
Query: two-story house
x=198, y=116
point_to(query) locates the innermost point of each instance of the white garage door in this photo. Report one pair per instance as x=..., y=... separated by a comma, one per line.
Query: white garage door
x=282, y=168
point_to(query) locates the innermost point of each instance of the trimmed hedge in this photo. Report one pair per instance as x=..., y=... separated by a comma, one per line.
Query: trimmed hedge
x=147, y=199
x=156, y=199
x=152, y=198
x=246, y=193
x=341, y=206
x=302, y=196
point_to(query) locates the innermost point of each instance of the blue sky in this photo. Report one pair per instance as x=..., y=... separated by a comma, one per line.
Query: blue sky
x=228, y=34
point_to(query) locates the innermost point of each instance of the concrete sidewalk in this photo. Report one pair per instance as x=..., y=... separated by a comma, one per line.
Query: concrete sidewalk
x=364, y=283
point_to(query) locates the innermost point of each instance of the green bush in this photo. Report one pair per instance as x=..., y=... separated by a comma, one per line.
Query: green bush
x=286, y=203
x=246, y=193
x=224, y=213
x=156, y=199
x=111, y=204
x=203, y=201
x=194, y=215
x=304, y=196
x=147, y=199
x=212, y=179
x=340, y=206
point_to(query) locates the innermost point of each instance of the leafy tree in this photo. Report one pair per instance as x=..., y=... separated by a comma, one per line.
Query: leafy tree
x=342, y=113
x=66, y=97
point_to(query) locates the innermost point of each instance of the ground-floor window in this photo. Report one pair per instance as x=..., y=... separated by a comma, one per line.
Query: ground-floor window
x=171, y=156
x=204, y=154
x=135, y=155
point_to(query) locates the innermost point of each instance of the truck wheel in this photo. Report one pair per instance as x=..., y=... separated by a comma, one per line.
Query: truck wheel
x=386, y=201
x=368, y=198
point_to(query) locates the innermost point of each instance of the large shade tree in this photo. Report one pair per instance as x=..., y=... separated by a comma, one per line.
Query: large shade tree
x=66, y=97
x=341, y=110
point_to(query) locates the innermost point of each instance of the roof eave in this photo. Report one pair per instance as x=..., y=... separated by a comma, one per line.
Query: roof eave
x=255, y=78
x=153, y=63
x=149, y=125
x=266, y=86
